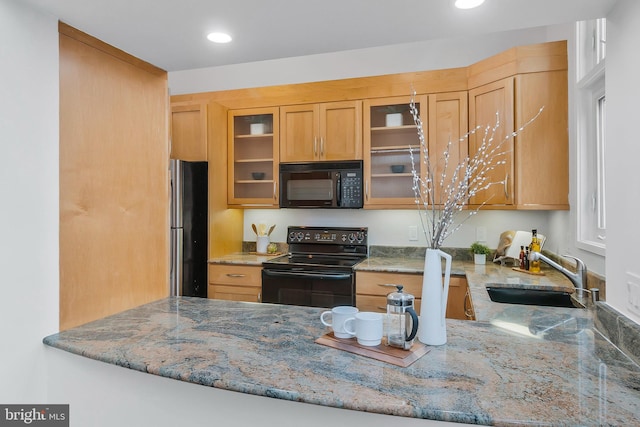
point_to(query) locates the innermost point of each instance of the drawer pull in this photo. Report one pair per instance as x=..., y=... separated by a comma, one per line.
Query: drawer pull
x=235, y=275
x=387, y=285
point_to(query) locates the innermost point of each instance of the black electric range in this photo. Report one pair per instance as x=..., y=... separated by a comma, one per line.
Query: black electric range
x=319, y=269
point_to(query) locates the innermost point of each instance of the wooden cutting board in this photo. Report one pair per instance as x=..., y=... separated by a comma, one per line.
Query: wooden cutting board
x=384, y=353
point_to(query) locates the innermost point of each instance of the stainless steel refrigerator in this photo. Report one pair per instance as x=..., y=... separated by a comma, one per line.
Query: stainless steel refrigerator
x=189, y=206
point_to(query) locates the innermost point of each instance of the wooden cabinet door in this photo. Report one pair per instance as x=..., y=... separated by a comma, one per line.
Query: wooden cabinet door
x=388, y=147
x=488, y=105
x=299, y=134
x=542, y=148
x=448, y=114
x=189, y=131
x=252, y=178
x=444, y=118
x=457, y=301
x=340, y=131
x=316, y=132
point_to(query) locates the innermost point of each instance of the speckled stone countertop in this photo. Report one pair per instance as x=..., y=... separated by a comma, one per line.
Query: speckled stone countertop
x=516, y=365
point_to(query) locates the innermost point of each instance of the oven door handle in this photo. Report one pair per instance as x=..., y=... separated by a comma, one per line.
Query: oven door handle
x=332, y=276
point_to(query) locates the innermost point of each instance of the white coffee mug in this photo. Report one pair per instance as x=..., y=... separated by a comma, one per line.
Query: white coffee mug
x=338, y=315
x=367, y=326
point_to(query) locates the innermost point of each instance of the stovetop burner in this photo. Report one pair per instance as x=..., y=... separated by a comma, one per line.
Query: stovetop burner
x=314, y=247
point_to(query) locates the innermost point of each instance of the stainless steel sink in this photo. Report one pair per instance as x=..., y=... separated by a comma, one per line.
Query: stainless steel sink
x=545, y=297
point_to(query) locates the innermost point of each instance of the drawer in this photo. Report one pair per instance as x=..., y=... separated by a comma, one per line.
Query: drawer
x=227, y=274
x=375, y=283
x=235, y=293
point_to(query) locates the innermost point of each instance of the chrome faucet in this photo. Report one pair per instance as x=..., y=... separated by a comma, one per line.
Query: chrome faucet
x=579, y=278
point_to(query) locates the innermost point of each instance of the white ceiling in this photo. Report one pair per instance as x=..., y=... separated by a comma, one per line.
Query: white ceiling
x=171, y=34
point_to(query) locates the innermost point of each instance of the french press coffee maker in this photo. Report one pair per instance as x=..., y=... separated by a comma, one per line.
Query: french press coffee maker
x=402, y=319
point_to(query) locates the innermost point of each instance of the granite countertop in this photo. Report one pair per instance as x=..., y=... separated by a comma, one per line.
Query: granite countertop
x=516, y=365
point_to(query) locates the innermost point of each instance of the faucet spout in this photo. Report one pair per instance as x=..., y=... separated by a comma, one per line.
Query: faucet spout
x=579, y=278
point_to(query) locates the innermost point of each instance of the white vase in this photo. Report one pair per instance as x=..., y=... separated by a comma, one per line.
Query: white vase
x=479, y=258
x=432, y=329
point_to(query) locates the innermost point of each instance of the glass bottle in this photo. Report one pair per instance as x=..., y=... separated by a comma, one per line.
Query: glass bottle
x=534, y=265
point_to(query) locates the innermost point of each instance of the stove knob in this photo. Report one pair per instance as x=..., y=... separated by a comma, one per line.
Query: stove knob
x=300, y=236
x=292, y=236
x=352, y=237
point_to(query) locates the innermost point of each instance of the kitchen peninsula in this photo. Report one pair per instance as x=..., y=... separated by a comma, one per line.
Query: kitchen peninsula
x=551, y=368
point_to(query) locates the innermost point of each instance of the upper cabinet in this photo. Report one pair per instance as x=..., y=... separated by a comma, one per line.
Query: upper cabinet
x=347, y=120
x=491, y=111
x=513, y=87
x=326, y=131
x=392, y=147
x=390, y=139
x=253, y=157
x=189, y=131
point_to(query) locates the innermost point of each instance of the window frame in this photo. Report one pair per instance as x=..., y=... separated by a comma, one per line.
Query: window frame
x=591, y=136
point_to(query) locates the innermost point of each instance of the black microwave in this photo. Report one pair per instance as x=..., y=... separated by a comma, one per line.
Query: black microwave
x=335, y=184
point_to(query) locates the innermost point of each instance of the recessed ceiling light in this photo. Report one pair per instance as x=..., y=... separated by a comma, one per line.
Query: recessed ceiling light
x=468, y=4
x=219, y=37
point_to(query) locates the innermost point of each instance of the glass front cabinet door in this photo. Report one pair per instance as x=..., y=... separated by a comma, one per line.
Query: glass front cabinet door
x=393, y=152
x=390, y=144
x=253, y=157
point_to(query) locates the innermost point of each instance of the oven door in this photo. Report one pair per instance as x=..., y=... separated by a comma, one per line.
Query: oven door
x=313, y=288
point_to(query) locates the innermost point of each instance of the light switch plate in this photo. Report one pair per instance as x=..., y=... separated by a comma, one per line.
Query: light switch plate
x=413, y=233
x=633, y=292
x=481, y=234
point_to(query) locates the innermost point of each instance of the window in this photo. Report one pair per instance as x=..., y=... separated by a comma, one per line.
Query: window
x=591, y=136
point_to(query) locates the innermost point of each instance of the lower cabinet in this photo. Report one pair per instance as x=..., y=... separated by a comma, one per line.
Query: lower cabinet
x=235, y=282
x=372, y=289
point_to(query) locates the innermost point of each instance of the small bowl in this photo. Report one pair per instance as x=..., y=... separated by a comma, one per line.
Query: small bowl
x=257, y=175
x=397, y=168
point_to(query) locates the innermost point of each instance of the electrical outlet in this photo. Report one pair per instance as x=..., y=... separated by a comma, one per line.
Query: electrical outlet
x=633, y=292
x=481, y=234
x=413, y=233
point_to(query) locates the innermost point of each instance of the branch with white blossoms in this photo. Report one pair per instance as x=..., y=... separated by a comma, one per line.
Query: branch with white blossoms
x=469, y=177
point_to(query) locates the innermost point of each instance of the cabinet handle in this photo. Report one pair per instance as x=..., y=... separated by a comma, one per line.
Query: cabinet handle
x=235, y=275
x=315, y=146
x=366, y=190
x=275, y=190
x=321, y=146
x=468, y=311
x=382, y=308
x=387, y=285
x=506, y=185
x=259, y=296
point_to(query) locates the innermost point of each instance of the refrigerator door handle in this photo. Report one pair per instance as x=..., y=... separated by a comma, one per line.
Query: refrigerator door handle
x=176, y=194
x=177, y=240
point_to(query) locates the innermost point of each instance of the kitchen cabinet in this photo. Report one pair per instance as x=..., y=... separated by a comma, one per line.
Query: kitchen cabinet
x=489, y=105
x=459, y=304
x=234, y=282
x=389, y=147
x=189, y=131
x=317, y=132
x=372, y=289
x=253, y=157
x=513, y=86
